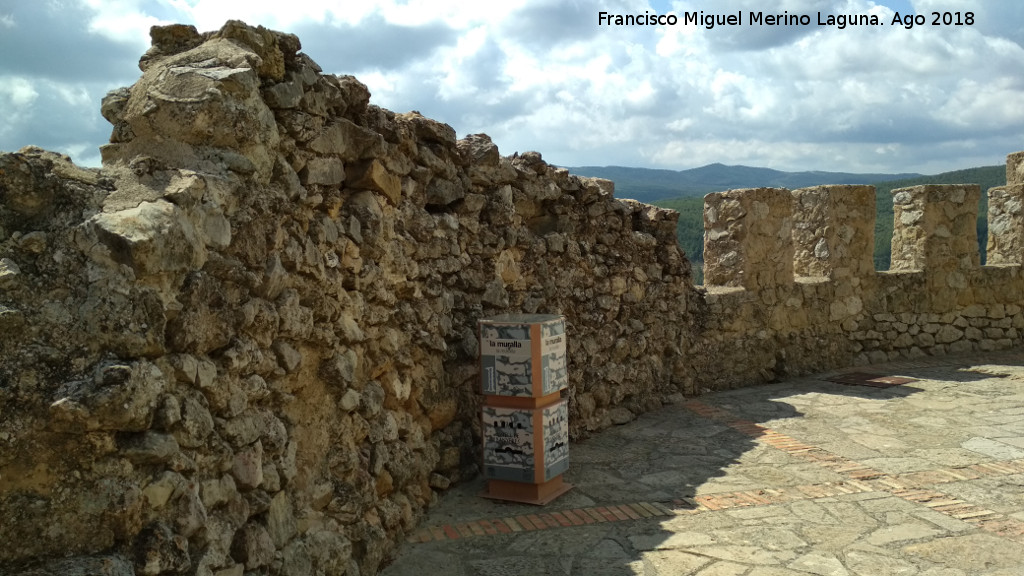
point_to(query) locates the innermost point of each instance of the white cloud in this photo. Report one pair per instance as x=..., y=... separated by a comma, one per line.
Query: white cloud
x=121, y=21
x=542, y=75
x=16, y=98
x=17, y=92
x=984, y=106
x=85, y=153
x=212, y=14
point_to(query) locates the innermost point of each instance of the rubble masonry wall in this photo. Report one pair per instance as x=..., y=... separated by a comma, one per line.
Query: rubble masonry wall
x=247, y=343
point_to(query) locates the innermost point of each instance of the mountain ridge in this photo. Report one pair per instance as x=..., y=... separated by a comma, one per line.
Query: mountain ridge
x=651, y=184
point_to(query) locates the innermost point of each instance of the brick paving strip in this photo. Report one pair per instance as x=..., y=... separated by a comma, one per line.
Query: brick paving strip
x=913, y=487
x=909, y=486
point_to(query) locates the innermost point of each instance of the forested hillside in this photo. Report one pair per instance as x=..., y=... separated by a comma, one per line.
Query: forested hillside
x=649, y=185
x=691, y=213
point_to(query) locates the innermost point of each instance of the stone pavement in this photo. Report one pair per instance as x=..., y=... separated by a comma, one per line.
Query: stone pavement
x=808, y=476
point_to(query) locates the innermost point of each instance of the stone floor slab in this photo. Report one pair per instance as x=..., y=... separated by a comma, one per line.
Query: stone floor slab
x=994, y=448
x=789, y=479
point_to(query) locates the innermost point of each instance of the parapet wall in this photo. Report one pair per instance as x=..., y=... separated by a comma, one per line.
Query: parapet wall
x=248, y=343
x=789, y=278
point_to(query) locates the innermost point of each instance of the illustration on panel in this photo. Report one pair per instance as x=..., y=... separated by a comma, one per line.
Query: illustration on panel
x=508, y=444
x=506, y=360
x=553, y=361
x=556, y=439
x=509, y=366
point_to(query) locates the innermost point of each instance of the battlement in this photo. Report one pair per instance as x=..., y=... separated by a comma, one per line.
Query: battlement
x=791, y=266
x=766, y=237
x=761, y=238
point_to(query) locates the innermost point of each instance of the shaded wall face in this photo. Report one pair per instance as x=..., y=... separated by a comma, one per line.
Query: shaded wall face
x=249, y=341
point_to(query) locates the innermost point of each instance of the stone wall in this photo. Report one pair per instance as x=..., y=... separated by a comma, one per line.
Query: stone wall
x=790, y=280
x=248, y=344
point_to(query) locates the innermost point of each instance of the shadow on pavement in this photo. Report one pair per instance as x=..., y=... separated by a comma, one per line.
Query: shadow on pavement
x=673, y=457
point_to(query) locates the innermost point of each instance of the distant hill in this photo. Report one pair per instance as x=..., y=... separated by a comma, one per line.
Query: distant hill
x=649, y=185
x=691, y=209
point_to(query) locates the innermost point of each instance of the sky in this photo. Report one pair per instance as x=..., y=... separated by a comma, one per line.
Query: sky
x=544, y=75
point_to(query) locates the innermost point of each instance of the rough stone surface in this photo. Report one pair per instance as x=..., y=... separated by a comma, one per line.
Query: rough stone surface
x=247, y=342
x=834, y=309
x=1006, y=224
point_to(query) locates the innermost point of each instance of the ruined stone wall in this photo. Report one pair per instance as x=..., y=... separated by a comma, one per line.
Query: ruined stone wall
x=248, y=344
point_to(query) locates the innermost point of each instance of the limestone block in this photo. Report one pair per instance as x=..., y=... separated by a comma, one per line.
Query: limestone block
x=1015, y=168
x=833, y=231
x=507, y=267
x=340, y=368
x=442, y=192
x=960, y=347
x=215, y=228
x=1005, y=224
x=947, y=334
x=748, y=238
x=347, y=140
x=374, y=176
x=281, y=524
x=206, y=97
x=119, y=397
x=158, y=492
x=287, y=356
x=196, y=422
x=935, y=228
x=427, y=129
x=372, y=399
x=33, y=242
x=148, y=447
x=396, y=387
x=24, y=181
x=153, y=238
x=160, y=550
x=284, y=94
x=323, y=170
x=9, y=273
x=244, y=429
x=188, y=511
x=247, y=467
x=331, y=552
x=267, y=45
x=482, y=157
x=218, y=491
x=479, y=149
x=253, y=546
x=349, y=401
